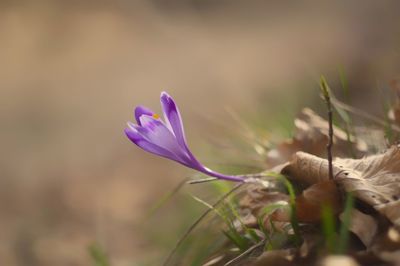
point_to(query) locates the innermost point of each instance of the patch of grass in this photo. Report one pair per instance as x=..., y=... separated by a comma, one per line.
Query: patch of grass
x=232, y=233
x=182, y=243
x=292, y=203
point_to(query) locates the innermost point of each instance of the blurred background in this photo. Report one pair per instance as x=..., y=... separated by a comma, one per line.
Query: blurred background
x=71, y=73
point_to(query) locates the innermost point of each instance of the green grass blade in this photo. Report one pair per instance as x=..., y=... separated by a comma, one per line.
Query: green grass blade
x=293, y=217
x=236, y=238
x=328, y=227
x=220, y=214
x=344, y=228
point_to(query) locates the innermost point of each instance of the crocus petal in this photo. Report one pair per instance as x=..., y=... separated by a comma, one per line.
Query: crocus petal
x=173, y=118
x=156, y=132
x=141, y=110
x=137, y=138
x=173, y=121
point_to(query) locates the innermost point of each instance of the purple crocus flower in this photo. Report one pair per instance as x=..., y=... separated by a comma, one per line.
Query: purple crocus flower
x=167, y=138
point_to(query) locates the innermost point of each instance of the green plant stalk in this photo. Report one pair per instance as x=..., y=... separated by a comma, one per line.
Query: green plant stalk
x=236, y=238
x=293, y=217
x=344, y=228
x=328, y=227
x=268, y=241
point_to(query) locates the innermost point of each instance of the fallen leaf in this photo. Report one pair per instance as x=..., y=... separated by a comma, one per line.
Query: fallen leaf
x=374, y=180
x=387, y=246
x=363, y=226
x=308, y=169
x=389, y=241
x=257, y=197
x=311, y=241
x=310, y=203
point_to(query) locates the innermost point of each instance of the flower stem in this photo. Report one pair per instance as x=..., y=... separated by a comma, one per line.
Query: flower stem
x=222, y=176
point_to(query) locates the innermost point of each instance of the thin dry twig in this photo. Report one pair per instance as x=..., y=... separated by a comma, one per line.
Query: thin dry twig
x=203, y=180
x=325, y=92
x=247, y=177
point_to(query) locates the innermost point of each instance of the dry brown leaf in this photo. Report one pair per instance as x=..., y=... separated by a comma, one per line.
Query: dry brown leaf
x=309, y=169
x=374, y=180
x=310, y=203
x=363, y=226
x=387, y=247
x=389, y=241
x=247, y=218
x=257, y=197
x=311, y=241
x=311, y=136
